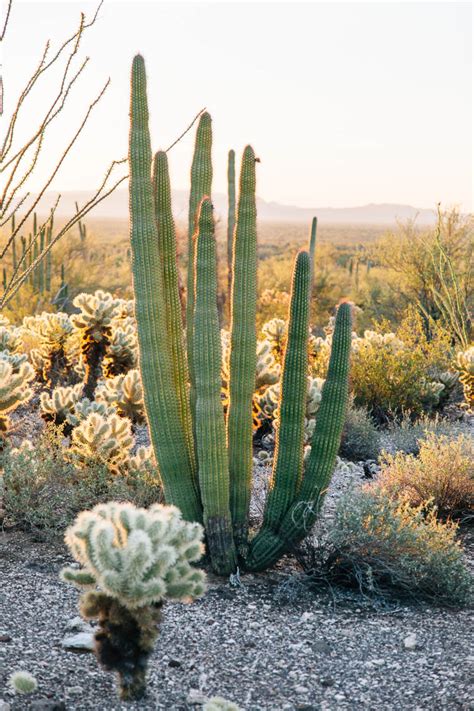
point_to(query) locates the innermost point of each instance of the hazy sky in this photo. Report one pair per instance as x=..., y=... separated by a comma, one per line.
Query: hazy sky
x=345, y=103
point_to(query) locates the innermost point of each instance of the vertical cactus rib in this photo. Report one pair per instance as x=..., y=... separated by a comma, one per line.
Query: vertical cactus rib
x=161, y=402
x=267, y=548
x=288, y=461
x=201, y=184
x=243, y=350
x=312, y=248
x=174, y=321
x=209, y=423
x=230, y=217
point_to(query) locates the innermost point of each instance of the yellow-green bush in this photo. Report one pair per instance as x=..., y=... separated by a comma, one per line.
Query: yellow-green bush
x=443, y=473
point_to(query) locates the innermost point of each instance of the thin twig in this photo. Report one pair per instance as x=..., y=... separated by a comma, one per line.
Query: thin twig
x=188, y=129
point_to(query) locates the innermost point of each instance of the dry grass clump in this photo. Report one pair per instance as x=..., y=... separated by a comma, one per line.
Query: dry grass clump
x=443, y=473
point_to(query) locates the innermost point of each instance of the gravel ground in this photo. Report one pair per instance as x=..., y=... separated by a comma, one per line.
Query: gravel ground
x=268, y=645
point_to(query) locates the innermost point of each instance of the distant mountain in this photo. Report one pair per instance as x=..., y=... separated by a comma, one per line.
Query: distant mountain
x=116, y=206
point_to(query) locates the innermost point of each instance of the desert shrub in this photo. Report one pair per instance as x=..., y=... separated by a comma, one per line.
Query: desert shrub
x=392, y=373
x=380, y=543
x=443, y=473
x=43, y=491
x=406, y=434
x=360, y=437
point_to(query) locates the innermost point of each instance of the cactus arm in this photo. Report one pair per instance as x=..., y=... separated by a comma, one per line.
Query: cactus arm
x=267, y=548
x=209, y=424
x=243, y=351
x=174, y=321
x=161, y=402
x=288, y=460
x=230, y=217
x=201, y=182
x=312, y=248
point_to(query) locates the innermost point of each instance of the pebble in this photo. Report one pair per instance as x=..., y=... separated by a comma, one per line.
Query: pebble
x=80, y=642
x=410, y=642
x=301, y=689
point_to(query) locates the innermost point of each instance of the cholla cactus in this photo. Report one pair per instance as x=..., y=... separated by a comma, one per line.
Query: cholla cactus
x=125, y=394
x=104, y=439
x=94, y=323
x=59, y=406
x=122, y=352
x=14, y=390
x=217, y=703
x=23, y=682
x=10, y=339
x=268, y=404
x=465, y=364
x=142, y=459
x=51, y=332
x=275, y=331
x=85, y=407
x=137, y=558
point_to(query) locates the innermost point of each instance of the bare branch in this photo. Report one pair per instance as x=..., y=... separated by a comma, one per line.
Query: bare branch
x=188, y=129
x=7, y=17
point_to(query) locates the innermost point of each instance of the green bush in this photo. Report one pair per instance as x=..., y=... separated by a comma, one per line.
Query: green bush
x=379, y=543
x=43, y=491
x=360, y=437
x=406, y=435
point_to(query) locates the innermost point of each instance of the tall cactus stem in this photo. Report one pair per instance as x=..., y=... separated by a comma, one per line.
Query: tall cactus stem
x=210, y=425
x=243, y=351
x=267, y=548
x=230, y=217
x=288, y=461
x=312, y=249
x=161, y=402
x=201, y=184
x=174, y=321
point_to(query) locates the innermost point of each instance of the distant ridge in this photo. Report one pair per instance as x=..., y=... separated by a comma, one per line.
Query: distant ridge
x=116, y=206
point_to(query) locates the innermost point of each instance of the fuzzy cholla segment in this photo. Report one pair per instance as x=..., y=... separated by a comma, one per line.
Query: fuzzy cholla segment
x=217, y=703
x=465, y=363
x=97, y=312
x=14, y=379
x=98, y=437
x=137, y=556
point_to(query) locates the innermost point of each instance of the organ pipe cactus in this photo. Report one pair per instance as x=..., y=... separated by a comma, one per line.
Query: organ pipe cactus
x=201, y=184
x=213, y=465
x=216, y=487
x=243, y=349
x=161, y=401
x=131, y=561
x=230, y=216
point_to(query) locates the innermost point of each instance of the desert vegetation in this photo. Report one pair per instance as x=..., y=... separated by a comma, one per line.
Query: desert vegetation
x=208, y=404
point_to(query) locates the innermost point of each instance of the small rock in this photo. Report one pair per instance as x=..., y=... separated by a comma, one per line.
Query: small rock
x=174, y=663
x=321, y=646
x=301, y=689
x=80, y=642
x=410, y=642
x=4, y=706
x=77, y=624
x=195, y=697
x=5, y=638
x=306, y=616
x=327, y=681
x=74, y=690
x=47, y=705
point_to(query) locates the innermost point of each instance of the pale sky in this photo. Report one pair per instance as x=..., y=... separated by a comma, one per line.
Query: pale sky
x=344, y=103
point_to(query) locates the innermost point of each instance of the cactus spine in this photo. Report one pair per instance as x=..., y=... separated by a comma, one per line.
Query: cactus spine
x=174, y=321
x=209, y=424
x=161, y=402
x=201, y=183
x=243, y=351
x=288, y=460
x=230, y=217
x=268, y=546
